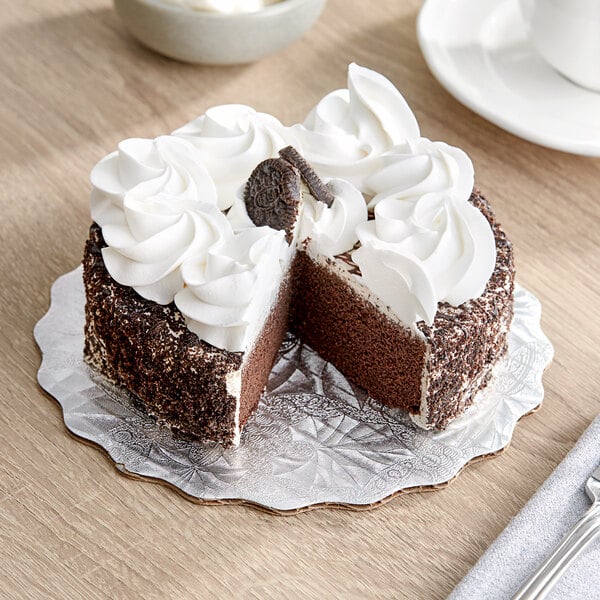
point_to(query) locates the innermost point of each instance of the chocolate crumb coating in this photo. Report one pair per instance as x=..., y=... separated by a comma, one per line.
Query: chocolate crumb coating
x=147, y=349
x=272, y=195
x=467, y=341
x=314, y=183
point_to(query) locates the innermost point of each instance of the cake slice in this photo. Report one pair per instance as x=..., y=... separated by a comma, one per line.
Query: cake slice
x=169, y=365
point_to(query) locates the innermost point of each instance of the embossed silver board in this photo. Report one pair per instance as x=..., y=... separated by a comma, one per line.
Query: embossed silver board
x=315, y=439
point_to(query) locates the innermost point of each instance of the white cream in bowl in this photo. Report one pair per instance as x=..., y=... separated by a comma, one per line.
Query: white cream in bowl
x=224, y=6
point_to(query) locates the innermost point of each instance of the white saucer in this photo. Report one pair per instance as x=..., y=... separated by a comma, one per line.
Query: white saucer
x=479, y=51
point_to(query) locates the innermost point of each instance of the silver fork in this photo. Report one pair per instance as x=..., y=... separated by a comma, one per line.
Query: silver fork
x=583, y=533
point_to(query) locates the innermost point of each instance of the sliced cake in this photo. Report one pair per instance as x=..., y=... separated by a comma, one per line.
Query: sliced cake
x=384, y=260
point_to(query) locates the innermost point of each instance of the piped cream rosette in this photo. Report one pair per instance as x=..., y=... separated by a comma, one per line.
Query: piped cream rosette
x=427, y=243
x=231, y=140
x=230, y=290
x=346, y=133
x=157, y=206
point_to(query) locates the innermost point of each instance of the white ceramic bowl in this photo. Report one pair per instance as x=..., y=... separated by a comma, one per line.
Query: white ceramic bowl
x=213, y=38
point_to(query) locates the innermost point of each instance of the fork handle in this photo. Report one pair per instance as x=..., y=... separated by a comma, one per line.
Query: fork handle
x=542, y=581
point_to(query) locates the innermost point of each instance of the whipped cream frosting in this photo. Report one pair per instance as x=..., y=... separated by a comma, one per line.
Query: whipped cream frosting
x=156, y=205
x=420, y=166
x=346, y=133
x=332, y=229
x=417, y=252
x=173, y=216
x=232, y=139
x=227, y=296
x=223, y=6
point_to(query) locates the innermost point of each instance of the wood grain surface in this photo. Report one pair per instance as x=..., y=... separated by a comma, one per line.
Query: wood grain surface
x=72, y=85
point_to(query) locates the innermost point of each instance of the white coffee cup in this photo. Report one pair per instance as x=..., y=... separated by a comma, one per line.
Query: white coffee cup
x=566, y=33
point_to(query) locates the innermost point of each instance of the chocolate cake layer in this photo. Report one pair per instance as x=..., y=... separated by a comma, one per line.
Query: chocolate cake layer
x=259, y=363
x=345, y=329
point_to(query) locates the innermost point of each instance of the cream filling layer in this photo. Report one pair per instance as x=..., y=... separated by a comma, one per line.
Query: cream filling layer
x=233, y=385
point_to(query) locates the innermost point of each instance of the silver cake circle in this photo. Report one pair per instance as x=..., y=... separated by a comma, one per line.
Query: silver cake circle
x=315, y=439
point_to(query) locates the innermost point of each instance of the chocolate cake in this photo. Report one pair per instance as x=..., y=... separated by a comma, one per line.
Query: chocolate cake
x=389, y=265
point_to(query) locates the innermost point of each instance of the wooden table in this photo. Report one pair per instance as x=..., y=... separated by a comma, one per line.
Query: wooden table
x=72, y=85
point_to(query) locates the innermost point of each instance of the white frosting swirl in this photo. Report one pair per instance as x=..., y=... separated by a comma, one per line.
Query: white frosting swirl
x=156, y=205
x=428, y=249
x=232, y=139
x=159, y=204
x=348, y=130
x=419, y=167
x=224, y=6
x=228, y=295
x=332, y=230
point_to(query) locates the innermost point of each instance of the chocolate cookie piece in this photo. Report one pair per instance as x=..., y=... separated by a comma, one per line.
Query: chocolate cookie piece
x=272, y=195
x=313, y=181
